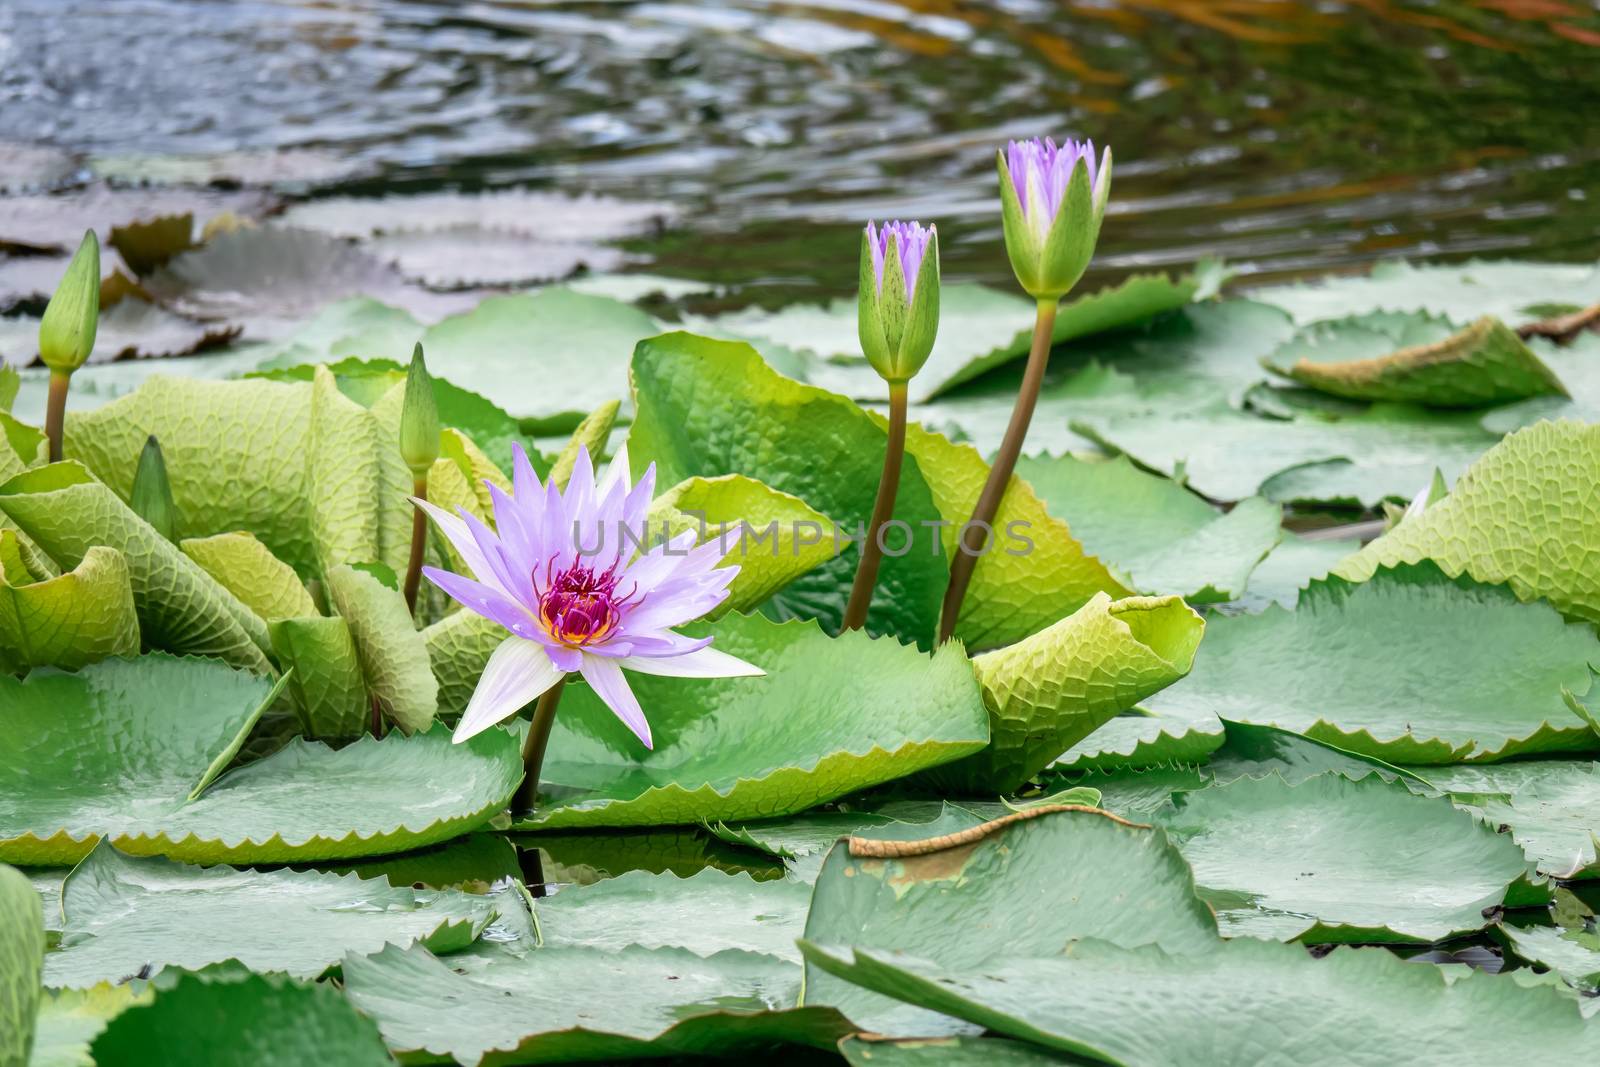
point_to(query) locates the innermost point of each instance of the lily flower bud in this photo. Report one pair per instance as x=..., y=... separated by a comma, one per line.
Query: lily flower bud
x=899, y=297
x=151, y=495
x=66, y=333
x=1051, y=208
x=419, y=419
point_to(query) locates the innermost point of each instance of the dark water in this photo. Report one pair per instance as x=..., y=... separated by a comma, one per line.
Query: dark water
x=1284, y=136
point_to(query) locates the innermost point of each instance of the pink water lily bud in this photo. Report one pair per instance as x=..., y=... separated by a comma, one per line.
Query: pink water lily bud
x=1052, y=199
x=899, y=297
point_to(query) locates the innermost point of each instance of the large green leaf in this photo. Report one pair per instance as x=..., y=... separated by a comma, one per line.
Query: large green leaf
x=117, y=750
x=1382, y=865
x=1141, y=738
x=553, y=355
x=583, y=857
x=742, y=748
x=861, y=1051
x=996, y=892
x=1525, y=514
x=1294, y=564
x=1155, y=535
x=1388, y=451
x=1034, y=570
x=1572, y=953
x=787, y=537
x=574, y=1003
x=81, y=617
x=709, y=408
x=1263, y=1003
x=329, y=689
x=1416, y=358
x=356, y=481
x=127, y=915
x=663, y=910
x=242, y=1021
x=1411, y=667
x=1517, y=293
x=393, y=655
x=248, y=569
x=1552, y=808
x=181, y=608
x=70, y=1020
x=1049, y=692
x=22, y=940
x=1255, y=750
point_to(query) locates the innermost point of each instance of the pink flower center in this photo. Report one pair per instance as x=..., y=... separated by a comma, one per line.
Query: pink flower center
x=580, y=606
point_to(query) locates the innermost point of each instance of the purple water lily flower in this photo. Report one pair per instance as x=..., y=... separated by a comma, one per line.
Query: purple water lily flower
x=911, y=241
x=561, y=574
x=1046, y=168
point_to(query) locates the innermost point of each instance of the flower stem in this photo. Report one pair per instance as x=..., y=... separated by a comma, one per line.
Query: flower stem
x=419, y=541
x=855, y=614
x=977, y=529
x=55, y=412
x=538, y=739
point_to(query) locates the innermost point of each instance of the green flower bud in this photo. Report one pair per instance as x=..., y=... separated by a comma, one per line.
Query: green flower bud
x=1051, y=208
x=419, y=419
x=151, y=496
x=66, y=333
x=899, y=297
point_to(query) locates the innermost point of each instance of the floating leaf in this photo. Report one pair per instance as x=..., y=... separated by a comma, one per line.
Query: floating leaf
x=1294, y=564
x=1049, y=692
x=540, y=1007
x=245, y=1021
x=181, y=608
x=127, y=915
x=130, y=329
x=862, y=1051
x=82, y=617
x=147, y=245
x=1522, y=515
x=710, y=408
x=247, y=568
x=55, y=222
x=1573, y=954
x=1145, y=739
x=1257, y=751
x=548, y=216
x=70, y=1020
x=1416, y=359
x=1383, y=864
x=1359, y=666
x=758, y=747
x=465, y=257
x=552, y=355
x=1155, y=535
x=1552, y=808
x=143, y=732
x=1516, y=293
x=994, y=893
x=1138, y=1006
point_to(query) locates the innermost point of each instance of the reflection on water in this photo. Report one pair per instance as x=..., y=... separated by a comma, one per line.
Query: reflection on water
x=1286, y=136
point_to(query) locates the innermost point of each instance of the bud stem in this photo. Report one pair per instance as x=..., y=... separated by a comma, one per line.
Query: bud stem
x=533, y=746
x=55, y=412
x=419, y=541
x=1005, y=461
x=855, y=614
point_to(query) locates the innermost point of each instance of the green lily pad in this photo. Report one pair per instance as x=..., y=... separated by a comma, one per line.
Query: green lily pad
x=1573, y=954
x=81, y=617
x=117, y=750
x=1155, y=535
x=70, y=1020
x=512, y=348
x=1410, y=667
x=1516, y=293
x=1522, y=515
x=1552, y=808
x=1282, y=1006
x=1143, y=739
x=1295, y=563
x=708, y=408
x=663, y=910
x=1386, y=452
x=860, y=1051
x=584, y=857
x=247, y=568
x=128, y=915
x=995, y=893
x=1255, y=750
x=243, y=1021
x=1382, y=865
x=545, y=1006
x=1577, y=364
x=1417, y=359
x=181, y=608
x=1139, y=793
x=1049, y=692
x=743, y=748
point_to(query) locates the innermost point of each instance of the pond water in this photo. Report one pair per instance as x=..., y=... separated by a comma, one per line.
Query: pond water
x=1287, y=137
